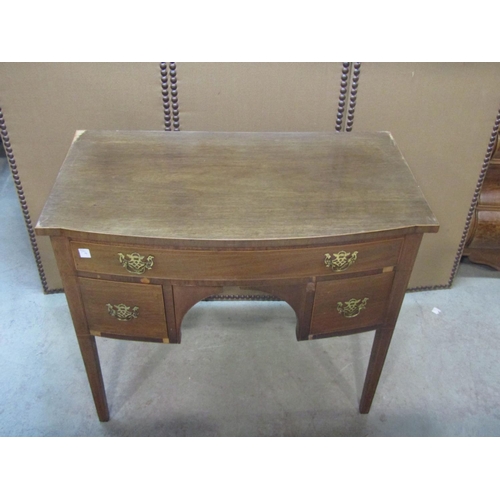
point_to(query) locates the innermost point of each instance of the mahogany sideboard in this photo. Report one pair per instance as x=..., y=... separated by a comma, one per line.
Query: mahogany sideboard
x=145, y=224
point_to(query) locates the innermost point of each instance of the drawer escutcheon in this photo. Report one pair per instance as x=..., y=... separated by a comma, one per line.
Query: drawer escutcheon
x=351, y=308
x=122, y=312
x=341, y=260
x=134, y=262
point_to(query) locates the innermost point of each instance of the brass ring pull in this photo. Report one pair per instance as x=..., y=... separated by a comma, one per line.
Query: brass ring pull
x=134, y=262
x=122, y=312
x=340, y=261
x=351, y=308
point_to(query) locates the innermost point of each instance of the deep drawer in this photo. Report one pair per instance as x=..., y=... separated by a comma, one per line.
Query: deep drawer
x=129, y=309
x=350, y=304
x=234, y=264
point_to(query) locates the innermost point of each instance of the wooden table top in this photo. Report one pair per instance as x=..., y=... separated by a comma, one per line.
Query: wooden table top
x=234, y=187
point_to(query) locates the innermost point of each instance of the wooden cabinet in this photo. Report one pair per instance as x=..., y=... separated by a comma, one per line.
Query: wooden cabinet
x=483, y=241
x=146, y=224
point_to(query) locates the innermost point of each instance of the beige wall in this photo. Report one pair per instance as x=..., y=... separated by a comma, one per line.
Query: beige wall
x=248, y=97
x=45, y=103
x=441, y=116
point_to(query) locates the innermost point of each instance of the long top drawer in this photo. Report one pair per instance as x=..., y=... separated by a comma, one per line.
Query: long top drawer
x=155, y=262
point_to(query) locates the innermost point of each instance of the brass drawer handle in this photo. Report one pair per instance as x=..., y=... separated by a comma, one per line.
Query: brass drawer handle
x=134, y=262
x=340, y=261
x=351, y=308
x=122, y=312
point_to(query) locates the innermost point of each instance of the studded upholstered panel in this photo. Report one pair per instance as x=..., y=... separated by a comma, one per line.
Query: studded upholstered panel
x=43, y=104
x=255, y=97
x=444, y=117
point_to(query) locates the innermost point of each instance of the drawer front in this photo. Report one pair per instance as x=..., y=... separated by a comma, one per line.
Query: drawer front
x=350, y=304
x=487, y=233
x=234, y=264
x=124, y=308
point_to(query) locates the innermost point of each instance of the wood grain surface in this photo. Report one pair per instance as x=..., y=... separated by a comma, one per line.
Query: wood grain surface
x=235, y=264
x=326, y=318
x=150, y=321
x=227, y=187
x=483, y=245
x=86, y=342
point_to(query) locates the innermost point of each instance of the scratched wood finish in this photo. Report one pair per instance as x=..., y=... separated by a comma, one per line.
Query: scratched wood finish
x=241, y=264
x=325, y=316
x=192, y=186
x=151, y=321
